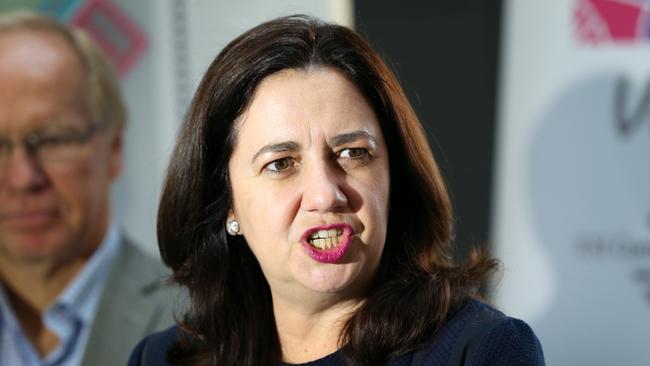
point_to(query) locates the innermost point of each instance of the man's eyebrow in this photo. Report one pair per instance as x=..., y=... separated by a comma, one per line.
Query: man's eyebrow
x=58, y=126
x=277, y=148
x=353, y=136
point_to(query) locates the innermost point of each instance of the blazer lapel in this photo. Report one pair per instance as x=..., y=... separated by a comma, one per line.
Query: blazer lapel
x=130, y=308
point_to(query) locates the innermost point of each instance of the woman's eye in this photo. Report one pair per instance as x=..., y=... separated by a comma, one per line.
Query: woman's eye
x=280, y=165
x=353, y=157
x=353, y=153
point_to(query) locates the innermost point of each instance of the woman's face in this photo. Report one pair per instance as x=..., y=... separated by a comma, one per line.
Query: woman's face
x=310, y=182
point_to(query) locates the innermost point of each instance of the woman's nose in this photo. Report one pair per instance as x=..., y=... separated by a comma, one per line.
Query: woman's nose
x=323, y=189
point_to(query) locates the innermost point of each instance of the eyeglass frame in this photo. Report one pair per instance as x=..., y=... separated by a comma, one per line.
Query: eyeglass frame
x=34, y=141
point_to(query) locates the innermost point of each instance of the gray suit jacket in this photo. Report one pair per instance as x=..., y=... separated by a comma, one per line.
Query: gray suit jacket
x=135, y=303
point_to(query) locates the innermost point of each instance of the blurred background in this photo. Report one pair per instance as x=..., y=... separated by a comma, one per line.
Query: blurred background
x=538, y=113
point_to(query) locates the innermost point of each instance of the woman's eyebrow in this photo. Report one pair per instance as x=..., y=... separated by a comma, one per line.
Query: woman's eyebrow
x=287, y=146
x=338, y=140
x=353, y=136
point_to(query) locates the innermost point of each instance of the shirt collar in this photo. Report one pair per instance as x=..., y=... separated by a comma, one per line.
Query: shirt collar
x=71, y=315
x=7, y=316
x=81, y=295
x=76, y=297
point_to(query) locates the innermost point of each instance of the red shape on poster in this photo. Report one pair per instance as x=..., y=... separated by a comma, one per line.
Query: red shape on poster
x=611, y=21
x=114, y=31
x=622, y=18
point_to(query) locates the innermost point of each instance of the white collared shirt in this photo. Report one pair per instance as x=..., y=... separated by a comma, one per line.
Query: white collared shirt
x=70, y=318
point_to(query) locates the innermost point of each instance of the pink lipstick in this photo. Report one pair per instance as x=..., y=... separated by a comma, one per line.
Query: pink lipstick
x=327, y=243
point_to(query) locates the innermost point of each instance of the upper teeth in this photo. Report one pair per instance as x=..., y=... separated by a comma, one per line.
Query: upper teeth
x=331, y=233
x=324, y=239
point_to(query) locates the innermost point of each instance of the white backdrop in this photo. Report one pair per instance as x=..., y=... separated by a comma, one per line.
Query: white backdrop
x=572, y=215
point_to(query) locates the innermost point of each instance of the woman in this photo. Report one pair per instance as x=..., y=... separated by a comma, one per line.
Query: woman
x=305, y=214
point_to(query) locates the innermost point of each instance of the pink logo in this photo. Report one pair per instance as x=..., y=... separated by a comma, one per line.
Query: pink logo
x=612, y=21
x=120, y=38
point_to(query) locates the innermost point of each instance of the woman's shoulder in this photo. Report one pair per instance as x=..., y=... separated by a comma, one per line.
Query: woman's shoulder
x=152, y=349
x=478, y=334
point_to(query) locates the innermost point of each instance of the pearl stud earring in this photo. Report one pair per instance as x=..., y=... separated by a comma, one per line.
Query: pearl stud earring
x=232, y=227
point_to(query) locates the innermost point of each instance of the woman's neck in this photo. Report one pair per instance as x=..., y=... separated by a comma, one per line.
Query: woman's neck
x=308, y=333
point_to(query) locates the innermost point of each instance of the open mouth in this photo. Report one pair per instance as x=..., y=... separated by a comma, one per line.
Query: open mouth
x=328, y=243
x=326, y=239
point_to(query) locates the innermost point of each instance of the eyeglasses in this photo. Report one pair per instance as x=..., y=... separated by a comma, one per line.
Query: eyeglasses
x=50, y=148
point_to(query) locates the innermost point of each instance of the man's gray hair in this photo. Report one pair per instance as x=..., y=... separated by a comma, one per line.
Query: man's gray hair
x=107, y=105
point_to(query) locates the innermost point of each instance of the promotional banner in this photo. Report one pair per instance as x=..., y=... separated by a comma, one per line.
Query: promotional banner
x=572, y=217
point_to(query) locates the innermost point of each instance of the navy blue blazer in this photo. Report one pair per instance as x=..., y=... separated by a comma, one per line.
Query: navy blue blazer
x=477, y=335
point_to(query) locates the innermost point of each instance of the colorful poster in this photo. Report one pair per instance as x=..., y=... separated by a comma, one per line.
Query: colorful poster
x=60, y=9
x=123, y=41
x=120, y=38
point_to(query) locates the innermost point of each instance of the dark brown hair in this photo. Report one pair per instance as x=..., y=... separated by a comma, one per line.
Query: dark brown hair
x=230, y=321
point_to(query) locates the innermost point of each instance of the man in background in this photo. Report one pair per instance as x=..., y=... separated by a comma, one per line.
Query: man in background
x=73, y=289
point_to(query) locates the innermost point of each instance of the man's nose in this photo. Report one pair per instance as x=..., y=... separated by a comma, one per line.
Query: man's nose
x=22, y=171
x=323, y=188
